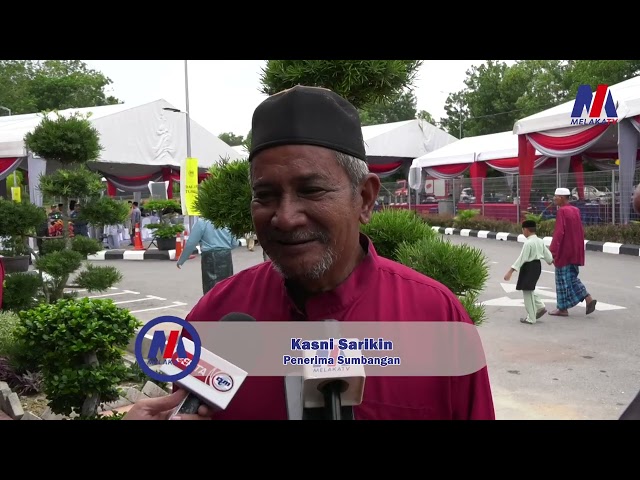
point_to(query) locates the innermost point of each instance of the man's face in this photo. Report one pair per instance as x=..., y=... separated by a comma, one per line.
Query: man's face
x=305, y=213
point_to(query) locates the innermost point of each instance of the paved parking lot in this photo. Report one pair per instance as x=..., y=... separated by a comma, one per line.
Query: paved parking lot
x=143, y=306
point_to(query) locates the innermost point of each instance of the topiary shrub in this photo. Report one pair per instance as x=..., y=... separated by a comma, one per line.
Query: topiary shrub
x=390, y=227
x=224, y=197
x=80, y=345
x=22, y=290
x=461, y=268
x=404, y=236
x=75, y=143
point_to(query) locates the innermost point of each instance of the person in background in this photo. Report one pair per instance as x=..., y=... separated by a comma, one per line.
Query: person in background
x=567, y=248
x=80, y=227
x=54, y=214
x=135, y=217
x=127, y=223
x=55, y=221
x=216, y=245
x=529, y=269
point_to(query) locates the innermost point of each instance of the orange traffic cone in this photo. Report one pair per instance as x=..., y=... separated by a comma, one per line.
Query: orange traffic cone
x=178, y=246
x=137, y=239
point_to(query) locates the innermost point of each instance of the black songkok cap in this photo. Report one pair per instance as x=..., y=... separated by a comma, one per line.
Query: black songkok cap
x=307, y=116
x=528, y=224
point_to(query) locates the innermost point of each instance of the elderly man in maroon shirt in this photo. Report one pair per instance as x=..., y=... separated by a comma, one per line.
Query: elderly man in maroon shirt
x=567, y=248
x=311, y=191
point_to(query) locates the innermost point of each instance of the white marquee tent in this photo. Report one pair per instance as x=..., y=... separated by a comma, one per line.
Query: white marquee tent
x=626, y=96
x=390, y=147
x=499, y=150
x=406, y=139
x=552, y=133
x=137, y=140
x=242, y=150
x=397, y=140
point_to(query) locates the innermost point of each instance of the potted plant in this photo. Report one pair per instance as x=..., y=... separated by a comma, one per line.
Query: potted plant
x=166, y=230
x=18, y=221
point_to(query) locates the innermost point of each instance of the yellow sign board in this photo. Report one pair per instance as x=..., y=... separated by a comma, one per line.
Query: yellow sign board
x=191, y=187
x=15, y=194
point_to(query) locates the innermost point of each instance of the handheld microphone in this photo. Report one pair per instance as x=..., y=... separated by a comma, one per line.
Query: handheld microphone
x=334, y=382
x=632, y=412
x=214, y=382
x=294, y=396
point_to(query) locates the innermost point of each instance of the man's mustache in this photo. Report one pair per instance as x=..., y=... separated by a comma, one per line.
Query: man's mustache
x=297, y=236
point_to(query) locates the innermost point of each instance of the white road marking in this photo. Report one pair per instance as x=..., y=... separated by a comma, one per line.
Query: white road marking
x=542, y=291
x=124, y=292
x=147, y=297
x=175, y=304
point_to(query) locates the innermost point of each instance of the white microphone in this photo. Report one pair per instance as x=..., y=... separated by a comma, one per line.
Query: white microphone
x=214, y=381
x=335, y=378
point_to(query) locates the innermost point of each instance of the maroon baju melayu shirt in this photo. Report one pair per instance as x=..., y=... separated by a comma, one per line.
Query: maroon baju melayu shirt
x=377, y=290
x=567, y=246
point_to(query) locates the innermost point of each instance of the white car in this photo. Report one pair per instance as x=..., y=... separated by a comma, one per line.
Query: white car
x=466, y=196
x=592, y=194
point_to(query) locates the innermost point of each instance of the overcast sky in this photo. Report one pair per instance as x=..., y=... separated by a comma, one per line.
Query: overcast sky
x=224, y=93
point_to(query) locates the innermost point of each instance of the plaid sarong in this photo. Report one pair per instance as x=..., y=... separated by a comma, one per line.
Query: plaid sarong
x=569, y=289
x=216, y=265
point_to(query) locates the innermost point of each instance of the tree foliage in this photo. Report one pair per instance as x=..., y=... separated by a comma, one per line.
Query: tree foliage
x=75, y=143
x=362, y=82
x=224, y=198
x=67, y=139
x=79, y=345
x=398, y=108
x=497, y=95
x=594, y=72
x=231, y=139
x=28, y=86
x=20, y=219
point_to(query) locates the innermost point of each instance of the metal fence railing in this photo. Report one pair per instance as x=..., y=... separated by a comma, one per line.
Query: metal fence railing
x=596, y=194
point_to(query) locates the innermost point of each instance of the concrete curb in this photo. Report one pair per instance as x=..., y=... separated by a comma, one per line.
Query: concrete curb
x=120, y=254
x=590, y=245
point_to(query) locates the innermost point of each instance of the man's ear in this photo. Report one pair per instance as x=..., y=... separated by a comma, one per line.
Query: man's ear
x=369, y=194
